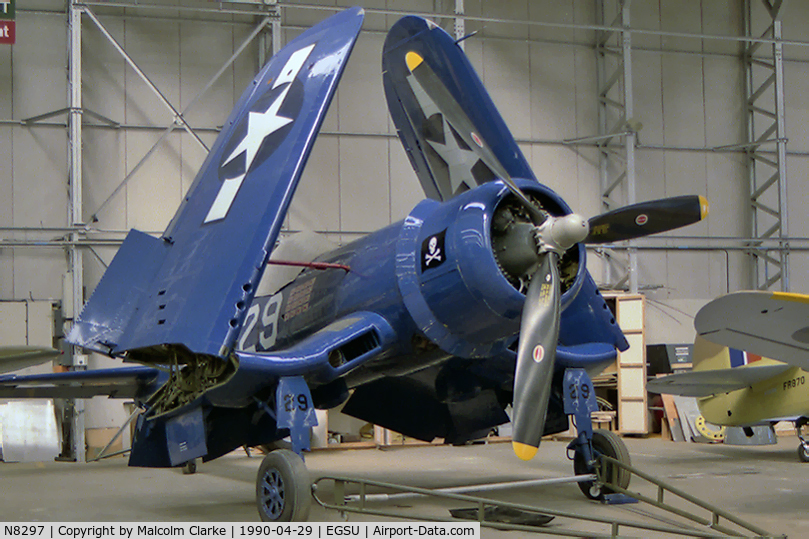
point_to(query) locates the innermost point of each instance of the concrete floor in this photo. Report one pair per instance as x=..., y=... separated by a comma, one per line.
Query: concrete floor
x=766, y=485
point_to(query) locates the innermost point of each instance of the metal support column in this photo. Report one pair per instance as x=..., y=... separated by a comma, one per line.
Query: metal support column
x=766, y=149
x=75, y=265
x=273, y=13
x=617, y=132
x=460, y=23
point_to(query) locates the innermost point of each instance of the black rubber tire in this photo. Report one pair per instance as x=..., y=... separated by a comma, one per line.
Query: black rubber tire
x=190, y=467
x=283, y=488
x=803, y=453
x=608, y=443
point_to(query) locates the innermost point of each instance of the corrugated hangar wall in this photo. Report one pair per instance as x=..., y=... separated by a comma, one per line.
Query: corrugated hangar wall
x=688, y=95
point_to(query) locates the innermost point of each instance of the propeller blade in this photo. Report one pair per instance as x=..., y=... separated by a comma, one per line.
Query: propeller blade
x=647, y=218
x=536, y=354
x=465, y=128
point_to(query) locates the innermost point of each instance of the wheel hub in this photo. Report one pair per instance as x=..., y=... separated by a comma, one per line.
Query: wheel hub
x=272, y=498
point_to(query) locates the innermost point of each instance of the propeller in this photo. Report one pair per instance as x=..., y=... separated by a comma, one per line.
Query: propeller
x=647, y=218
x=535, y=251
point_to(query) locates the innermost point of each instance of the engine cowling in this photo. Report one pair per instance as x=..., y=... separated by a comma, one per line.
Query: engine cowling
x=462, y=266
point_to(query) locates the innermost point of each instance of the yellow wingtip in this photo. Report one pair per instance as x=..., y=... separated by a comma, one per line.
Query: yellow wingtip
x=703, y=207
x=524, y=451
x=413, y=60
x=790, y=296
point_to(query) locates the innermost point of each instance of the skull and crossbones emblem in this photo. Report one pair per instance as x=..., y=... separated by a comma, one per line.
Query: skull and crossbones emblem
x=434, y=252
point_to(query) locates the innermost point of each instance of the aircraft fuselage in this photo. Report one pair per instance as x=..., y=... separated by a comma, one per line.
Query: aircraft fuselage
x=782, y=396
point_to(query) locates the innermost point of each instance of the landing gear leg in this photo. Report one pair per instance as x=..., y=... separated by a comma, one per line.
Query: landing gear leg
x=803, y=449
x=283, y=485
x=580, y=401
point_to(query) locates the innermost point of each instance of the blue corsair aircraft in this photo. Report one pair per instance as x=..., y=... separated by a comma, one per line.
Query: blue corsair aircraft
x=414, y=327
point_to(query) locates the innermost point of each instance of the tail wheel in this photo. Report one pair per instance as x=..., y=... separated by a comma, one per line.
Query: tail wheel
x=283, y=488
x=604, y=443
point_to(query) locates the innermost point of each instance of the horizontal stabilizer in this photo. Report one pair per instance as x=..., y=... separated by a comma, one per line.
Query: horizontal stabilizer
x=706, y=383
x=769, y=324
x=126, y=382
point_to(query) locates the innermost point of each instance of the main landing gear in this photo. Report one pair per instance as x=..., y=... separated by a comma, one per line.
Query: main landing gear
x=803, y=449
x=589, y=445
x=283, y=484
x=283, y=488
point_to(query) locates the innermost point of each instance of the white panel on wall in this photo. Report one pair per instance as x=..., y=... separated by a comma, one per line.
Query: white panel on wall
x=38, y=273
x=405, y=188
x=796, y=101
x=316, y=205
x=364, y=189
x=677, y=16
x=13, y=323
x=647, y=71
x=40, y=57
x=671, y=320
x=362, y=107
x=643, y=15
x=154, y=193
x=153, y=44
x=104, y=157
x=552, y=106
x=722, y=18
x=505, y=75
x=103, y=69
x=40, y=177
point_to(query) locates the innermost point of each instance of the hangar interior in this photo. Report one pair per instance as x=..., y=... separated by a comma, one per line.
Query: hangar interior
x=107, y=110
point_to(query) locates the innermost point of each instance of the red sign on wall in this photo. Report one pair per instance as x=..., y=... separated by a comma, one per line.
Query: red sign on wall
x=7, y=31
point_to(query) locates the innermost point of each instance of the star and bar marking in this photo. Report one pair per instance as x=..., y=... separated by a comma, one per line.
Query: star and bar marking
x=259, y=126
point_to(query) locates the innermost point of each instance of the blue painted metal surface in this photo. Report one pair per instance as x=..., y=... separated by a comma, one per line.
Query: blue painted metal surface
x=580, y=401
x=295, y=410
x=185, y=437
x=448, y=61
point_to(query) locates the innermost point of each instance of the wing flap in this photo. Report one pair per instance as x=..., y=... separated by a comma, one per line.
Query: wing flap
x=712, y=382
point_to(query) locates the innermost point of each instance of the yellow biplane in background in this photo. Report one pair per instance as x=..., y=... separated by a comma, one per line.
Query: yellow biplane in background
x=735, y=382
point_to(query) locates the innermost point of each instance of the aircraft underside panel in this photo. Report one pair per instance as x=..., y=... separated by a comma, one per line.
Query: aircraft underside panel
x=200, y=431
x=410, y=407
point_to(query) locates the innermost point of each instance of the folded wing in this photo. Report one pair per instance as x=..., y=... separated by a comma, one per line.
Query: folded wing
x=192, y=286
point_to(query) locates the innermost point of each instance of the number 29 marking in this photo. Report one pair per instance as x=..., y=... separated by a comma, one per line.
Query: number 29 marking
x=293, y=402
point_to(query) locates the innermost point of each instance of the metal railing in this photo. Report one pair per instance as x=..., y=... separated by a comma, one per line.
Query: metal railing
x=359, y=503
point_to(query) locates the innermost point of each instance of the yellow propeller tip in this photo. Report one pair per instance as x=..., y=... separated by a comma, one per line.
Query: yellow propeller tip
x=524, y=451
x=703, y=207
x=413, y=60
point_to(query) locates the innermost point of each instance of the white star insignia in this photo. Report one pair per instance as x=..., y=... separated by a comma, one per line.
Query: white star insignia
x=260, y=125
x=459, y=161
